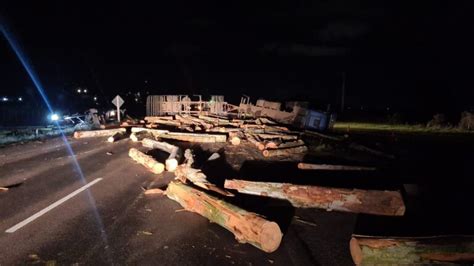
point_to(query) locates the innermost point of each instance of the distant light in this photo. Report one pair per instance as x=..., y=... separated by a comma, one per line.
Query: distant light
x=112, y=113
x=85, y=90
x=20, y=99
x=78, y=90
x=95, y=98
x=5, y=99
x=136, y=99
x=54, y=117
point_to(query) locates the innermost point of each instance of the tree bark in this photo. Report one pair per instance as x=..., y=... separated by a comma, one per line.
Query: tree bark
x=97, y=133
x=367, y=250
x=285, y=152
x=375, y=202
x=330, y=167
x=247, y=227
x=147, y=161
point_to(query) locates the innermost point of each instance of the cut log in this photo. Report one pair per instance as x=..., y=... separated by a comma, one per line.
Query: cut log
x=160, y=120
x=146, y=160
x=171, y=163
x=185, y=173
x=285, y=152
x=375, y=202
x=154, y=132
x=331, y=167
x=276, y=136
x=98, y=133
x=368, y=250
x=258, y=144
x=117, y=136
x=235, y=141
x=138, y=136
x=154, y=191
x=195, y=137
x=291, y=144
x=247, y=227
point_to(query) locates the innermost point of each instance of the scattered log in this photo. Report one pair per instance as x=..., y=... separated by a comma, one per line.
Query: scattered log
x=160, y=120
x=375, y=202
x=3, y=189
x=251, y=139
x=117, y=136
x=276, y=136
x=266, y=121
x=369, y=250
x=247, y=227
x=194, y=137
x=185, y=173
x=154, y=132
x=291, y=144
x=138, y=136
x=235, y=141
x=285, y=152
x=331, y=167
x=146, y=160
x=98, y=133
x=171, y=163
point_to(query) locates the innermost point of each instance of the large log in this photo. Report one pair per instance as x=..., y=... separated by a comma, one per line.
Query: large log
x=356, y=200
x=151, y=131
x=368, y=250
x=285, y=152
x=291, y=144
x=247, y=227
x=265, y=136
x=139, y=136
x=161, y=120
x=258, y=144
x=98, y=133
x=171, y=163
x=195, y=137
x=146, y=160
x=332, y=167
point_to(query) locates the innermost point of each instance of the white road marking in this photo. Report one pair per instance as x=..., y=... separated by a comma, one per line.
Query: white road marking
x=50, y=207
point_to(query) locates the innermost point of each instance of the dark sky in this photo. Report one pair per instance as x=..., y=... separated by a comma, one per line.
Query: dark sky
x=403, y=54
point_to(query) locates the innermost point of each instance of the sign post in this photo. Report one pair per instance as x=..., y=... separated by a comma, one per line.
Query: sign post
x=118, y=101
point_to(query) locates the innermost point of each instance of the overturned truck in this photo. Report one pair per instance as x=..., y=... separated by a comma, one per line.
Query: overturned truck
x=294, y=113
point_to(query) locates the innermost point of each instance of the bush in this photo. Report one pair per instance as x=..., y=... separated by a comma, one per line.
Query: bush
x=439, y=120
x=467, y=121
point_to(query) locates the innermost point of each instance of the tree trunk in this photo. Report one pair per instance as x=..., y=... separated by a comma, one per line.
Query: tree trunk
x=252, y=140
x=195, y=137
x=285, y=152
x=247, y=227
x=330, y=167
x=139, y=136
x=291, y=144
x=357, y=201
x=369, y=250
x=97, y=133
x=146, y=160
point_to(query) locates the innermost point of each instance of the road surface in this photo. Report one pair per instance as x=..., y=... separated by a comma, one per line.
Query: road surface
x=98, y=214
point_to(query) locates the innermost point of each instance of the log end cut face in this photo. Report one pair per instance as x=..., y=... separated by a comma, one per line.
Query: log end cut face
x=270, y=236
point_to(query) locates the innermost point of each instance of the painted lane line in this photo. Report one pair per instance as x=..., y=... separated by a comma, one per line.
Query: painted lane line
x=52, y=206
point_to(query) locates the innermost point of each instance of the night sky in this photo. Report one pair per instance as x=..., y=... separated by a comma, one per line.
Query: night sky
x=413, y=56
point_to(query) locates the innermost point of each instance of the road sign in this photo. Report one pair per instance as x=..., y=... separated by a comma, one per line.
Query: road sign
x=118, y=101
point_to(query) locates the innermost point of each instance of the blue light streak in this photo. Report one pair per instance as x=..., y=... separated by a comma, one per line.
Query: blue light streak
x=31, y=73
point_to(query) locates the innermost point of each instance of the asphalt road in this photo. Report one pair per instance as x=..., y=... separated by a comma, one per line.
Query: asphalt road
x=113, y=222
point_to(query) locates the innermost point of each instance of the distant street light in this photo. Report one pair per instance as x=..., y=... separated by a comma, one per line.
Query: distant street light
x=5, y=99
x=95, y=98
x=20, y=99
x=78, y=90
x=85, y=90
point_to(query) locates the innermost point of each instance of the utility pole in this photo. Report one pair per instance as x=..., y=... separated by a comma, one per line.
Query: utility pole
x=343, y=91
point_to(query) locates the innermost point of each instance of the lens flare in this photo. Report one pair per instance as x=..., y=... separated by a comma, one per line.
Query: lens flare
x=31, y=73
